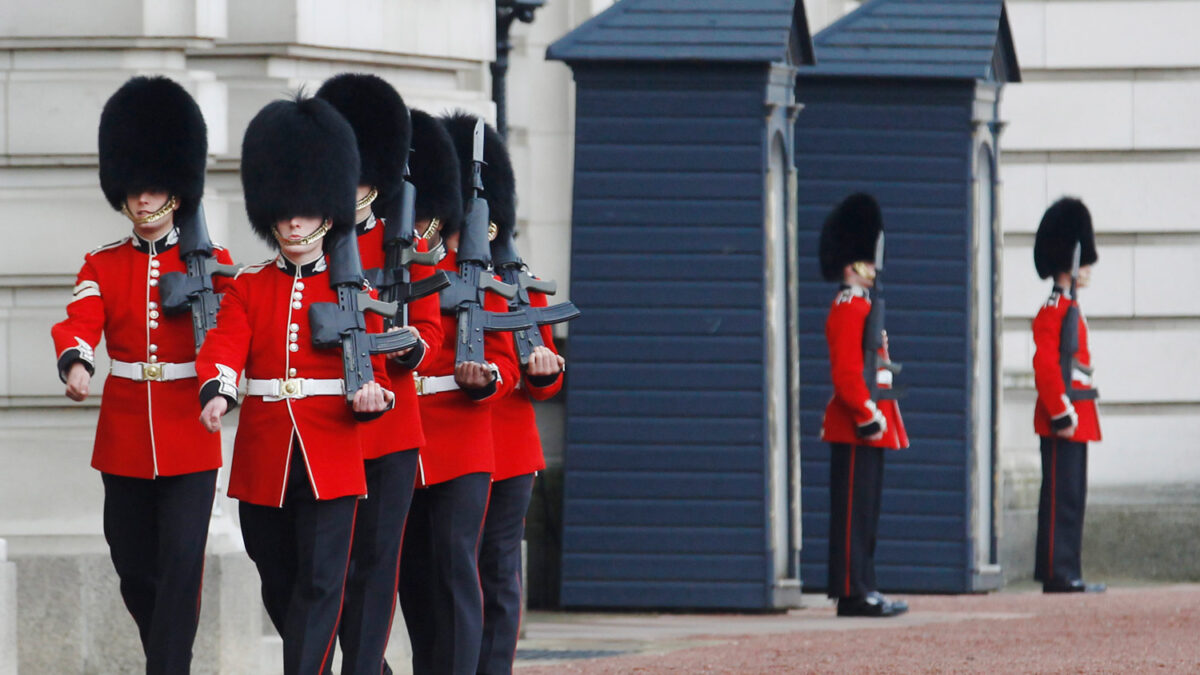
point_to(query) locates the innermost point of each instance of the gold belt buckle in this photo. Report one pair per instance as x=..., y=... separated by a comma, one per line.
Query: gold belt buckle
x=419, y=383
x=289, y=388
x=152, y=372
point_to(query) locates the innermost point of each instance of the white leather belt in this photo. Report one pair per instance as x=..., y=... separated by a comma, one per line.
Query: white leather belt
x=427, y=386
x=883, y=377
x=296, y=387
x=1081, y=377
x=153, y=372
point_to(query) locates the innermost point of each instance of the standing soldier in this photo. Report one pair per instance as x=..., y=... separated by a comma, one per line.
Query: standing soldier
x=381, y=126
x=858, y=425
x=517, y=444
x=158, y=466
x=439, y=580
x=297, y=461
x=1065, y=416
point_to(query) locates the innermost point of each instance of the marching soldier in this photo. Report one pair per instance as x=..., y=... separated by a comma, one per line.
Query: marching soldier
x=517, y=444
x=158, y=466
x=857, y=427
x=439, y=578
x=381, y=126
x=297, y=464
x=1065, y=416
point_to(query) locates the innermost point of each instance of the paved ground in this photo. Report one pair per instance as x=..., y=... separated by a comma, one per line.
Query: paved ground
x=1130, y=629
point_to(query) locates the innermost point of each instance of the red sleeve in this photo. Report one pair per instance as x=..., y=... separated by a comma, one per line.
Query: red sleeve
x=498, y=349
x=844, y=332
x=425, y=314
x=222, y=357
x=76, y=337
x=1047, y=373
x=222, y=283
x=542, y=393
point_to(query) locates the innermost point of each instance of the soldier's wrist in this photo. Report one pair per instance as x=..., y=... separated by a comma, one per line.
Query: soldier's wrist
x=67, y=362
x=211, y=390
x=487, y=390
x=1066, y=420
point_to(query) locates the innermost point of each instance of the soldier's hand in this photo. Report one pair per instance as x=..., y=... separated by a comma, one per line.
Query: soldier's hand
x=401, y=352
x=1068, y=432
x=78, y=382
x=372, y=397
x=210, y=417
x=473, y=375
x=875, y=437
x=544, y=362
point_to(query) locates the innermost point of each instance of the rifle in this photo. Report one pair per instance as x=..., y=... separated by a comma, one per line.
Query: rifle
x=194, y=290
x=400, y=250
x=873, y=336
x=514, y=271
x=1068, y=342
x=465, y=295
x=343, y=323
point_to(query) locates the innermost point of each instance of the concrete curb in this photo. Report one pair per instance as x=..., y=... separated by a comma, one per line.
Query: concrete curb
x=8, y=613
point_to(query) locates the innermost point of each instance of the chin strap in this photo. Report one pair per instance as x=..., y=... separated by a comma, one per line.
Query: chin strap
x=320, y=232
x=170, y=206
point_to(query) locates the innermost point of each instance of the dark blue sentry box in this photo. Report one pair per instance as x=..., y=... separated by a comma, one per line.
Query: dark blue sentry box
x=903, y=104
x=681, y=468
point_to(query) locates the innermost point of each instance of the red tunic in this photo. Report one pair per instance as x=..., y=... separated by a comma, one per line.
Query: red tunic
x=146, y=429
x=851, y=405
x=400, y=428
x=1052, y=391
x=514, y=427
x=458, y=429
x=254, y=329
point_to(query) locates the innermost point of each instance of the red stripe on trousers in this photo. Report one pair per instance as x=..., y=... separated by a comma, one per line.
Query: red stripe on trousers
x=1053, y=504
x=349, y=549
x=478, y=539
x=849, y=516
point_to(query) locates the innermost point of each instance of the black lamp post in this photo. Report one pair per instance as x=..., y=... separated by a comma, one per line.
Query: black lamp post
x=507, y=11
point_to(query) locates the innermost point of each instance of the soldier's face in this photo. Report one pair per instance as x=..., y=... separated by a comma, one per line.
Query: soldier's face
x=145, y=203
x=293, y=231
x=860, y=273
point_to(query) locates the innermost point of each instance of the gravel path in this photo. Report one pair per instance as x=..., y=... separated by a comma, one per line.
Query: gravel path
x=1127, y=630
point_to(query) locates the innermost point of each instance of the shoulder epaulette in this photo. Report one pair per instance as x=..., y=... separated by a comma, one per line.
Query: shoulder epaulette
x=255, y=268
x=108, y=246
x=848, y=294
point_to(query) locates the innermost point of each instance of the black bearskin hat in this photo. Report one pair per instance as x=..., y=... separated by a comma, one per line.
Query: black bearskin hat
x=433, y=167
x=849, y=234
x=152, y=136
x=380, y=122
x=299, y=159
x=1066, y=221
x=499, y=184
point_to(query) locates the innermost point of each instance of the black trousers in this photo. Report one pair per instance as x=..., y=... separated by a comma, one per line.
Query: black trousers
x=1060, y=510
x=156, y=531
x=855, y=487
x=371, y=584
x=500, y=573
x=439, y=575
x=301, y=551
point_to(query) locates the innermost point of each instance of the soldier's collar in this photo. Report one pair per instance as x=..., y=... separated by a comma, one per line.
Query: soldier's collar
x=367, y=224
x=1058, y=290
x=158, y=246
x=860, y=291
x=306, y=270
